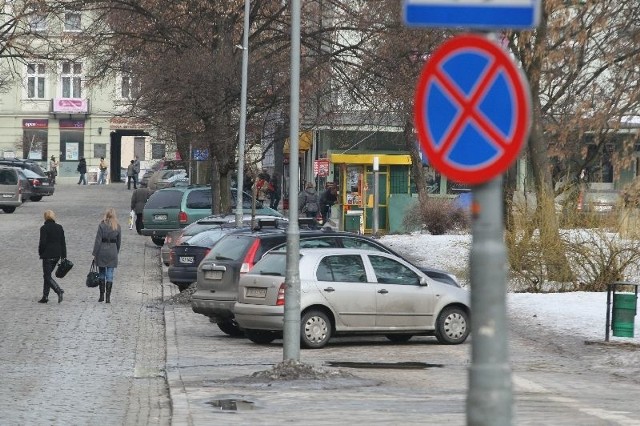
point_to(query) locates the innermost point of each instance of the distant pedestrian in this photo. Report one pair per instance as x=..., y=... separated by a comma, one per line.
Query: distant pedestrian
x=105, y=251
x=138, y=200
x=136, y=172
x=53, y=169
x=308, y=203
x=51, y=248
x=327, y=199
x=82, y=169
x=275, y=191
x=102, y=177
x=131, y=171
x=262, y=188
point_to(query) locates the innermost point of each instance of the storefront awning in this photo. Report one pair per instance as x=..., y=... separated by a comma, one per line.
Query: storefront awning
x=388, y=159
x=304, y=142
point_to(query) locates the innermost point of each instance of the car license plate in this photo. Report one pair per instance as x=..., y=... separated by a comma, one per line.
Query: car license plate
x=213, y=275
x=159, y=217
x=45, y=183
x=7, y=196
x=256, y=292
x=186, y=259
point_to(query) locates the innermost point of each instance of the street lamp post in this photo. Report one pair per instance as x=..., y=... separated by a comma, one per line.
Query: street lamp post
x=243, y=114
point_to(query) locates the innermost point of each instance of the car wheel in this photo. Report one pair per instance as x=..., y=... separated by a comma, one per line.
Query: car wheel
x=159, y=241
x=315, y=329
x=261, y=337
x=399, y=338
x=452, y=326
x=38, y=198
x=9, y=209
x=231, y=328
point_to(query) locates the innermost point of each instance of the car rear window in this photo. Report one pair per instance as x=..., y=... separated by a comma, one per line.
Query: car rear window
x=271, y=264
x=164, y=200
x=231, y=247
x=207, y=238
x=8, y=177
x=199, y=199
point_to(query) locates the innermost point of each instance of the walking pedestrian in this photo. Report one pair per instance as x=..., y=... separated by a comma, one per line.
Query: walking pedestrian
x=130, y=176
x=51, y=248
x=276, y=192
x=327, y=199
x=53, y=169
x=138, y=200
x=105, y=251
x=102, y=178
x=136, y=171
x=82, y=169
x=308, y=203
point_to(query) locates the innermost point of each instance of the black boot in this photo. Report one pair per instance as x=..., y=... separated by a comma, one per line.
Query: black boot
x=109, y=285
x=101, y=285
x=56, y=288
x=43, y=300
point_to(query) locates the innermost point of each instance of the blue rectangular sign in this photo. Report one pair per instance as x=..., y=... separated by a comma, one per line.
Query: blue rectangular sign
x=481, y=14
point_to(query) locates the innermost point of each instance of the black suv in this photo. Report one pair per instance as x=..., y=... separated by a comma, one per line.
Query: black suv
x=236, y=253
x=38, y=180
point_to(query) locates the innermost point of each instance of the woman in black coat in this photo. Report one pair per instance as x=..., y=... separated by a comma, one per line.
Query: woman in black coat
x=105, y=251
x=51, y=248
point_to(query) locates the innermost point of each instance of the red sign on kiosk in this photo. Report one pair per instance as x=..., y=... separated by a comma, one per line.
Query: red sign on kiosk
x=472, y=109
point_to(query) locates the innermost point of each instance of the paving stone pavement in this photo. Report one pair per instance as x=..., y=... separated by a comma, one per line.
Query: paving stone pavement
x=80, y=362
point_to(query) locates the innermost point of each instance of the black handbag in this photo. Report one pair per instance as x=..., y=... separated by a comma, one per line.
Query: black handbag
x=93, y=277
x=64, y=267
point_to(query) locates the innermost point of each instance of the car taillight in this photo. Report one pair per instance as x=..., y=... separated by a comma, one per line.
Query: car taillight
x=36, y=182
x=172, y=257
x=167, y=239
x=182, y=217
x=280, y=299
x=249, y=259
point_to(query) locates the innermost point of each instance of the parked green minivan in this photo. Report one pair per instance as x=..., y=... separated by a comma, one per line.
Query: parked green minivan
x=174, y=208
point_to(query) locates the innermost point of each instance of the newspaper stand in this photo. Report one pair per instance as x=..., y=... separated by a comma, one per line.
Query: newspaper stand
x=621, y=310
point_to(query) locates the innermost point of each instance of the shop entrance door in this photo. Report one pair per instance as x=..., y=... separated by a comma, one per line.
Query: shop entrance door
x=383, y=179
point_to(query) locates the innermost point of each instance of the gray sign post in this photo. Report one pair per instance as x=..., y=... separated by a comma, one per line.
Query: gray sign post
x=489, y=401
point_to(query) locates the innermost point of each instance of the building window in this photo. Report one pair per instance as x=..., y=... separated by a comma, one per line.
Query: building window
x=35, y=139
x=37, y=20
x=35, y=81
x=72, y=21
x=71, y=80
x=129, y=86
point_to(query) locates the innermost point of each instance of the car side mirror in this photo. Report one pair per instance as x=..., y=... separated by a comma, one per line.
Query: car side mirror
x=424, y=281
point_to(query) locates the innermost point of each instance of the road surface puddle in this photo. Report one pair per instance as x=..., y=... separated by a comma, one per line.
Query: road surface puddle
x=232, y=404
x=387, y=365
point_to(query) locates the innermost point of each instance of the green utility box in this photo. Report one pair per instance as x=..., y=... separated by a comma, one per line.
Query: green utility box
x=353, y=221
x=624, y=314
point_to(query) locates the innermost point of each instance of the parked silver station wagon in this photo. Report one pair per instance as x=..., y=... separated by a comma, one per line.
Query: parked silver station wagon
x=351, y=291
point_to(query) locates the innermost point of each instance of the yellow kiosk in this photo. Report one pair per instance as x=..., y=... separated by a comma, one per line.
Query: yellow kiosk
x=355, y=176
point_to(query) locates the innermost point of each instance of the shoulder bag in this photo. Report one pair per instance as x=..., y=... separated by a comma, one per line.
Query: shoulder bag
x=64, y=267
x=93, y=277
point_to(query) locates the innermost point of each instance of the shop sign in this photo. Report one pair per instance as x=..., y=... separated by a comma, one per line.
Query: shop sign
x=70, y=106
x=321, y=168
x=35, y=123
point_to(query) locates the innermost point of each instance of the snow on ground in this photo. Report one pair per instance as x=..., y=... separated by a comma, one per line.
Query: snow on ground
x=578, y=314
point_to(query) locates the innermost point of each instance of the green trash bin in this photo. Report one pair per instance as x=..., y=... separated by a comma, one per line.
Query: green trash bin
x=353, y=221
x=624, y=314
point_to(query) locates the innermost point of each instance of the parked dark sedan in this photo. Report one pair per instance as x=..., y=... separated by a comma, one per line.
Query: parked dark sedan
x=184, y=258
x=41, y=186
x=25, y=186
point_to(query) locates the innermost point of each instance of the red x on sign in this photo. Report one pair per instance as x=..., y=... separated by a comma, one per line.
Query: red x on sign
x=472, y=109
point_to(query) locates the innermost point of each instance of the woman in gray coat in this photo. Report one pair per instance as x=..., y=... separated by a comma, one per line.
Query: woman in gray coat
x=105, y=251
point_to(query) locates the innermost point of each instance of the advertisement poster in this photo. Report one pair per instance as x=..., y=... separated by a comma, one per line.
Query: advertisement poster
x=72, y=150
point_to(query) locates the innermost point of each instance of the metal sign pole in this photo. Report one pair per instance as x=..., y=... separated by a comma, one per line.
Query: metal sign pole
x=489, y=401
x=291, y=331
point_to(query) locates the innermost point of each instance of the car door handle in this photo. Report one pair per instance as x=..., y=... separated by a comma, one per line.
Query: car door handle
x=383, y=291
x=329, y=289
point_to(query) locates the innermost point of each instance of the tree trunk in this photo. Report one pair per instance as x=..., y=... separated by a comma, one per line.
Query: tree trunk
x=417, y=172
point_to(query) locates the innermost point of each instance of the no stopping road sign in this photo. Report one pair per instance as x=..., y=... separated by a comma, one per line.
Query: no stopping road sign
x=472, y=109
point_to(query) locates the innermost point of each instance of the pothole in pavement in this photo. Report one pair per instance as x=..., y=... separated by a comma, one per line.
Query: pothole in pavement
x=232, y=405
x=384, y=365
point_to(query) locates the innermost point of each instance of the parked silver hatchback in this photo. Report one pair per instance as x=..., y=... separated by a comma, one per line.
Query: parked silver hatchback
x=351, y=291
x=10, y=189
